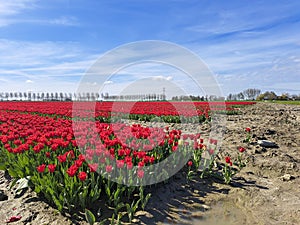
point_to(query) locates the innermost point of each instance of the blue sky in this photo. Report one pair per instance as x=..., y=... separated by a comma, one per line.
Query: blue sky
x=49, y=45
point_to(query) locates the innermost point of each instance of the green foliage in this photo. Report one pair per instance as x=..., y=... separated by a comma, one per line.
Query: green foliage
x=89, y=216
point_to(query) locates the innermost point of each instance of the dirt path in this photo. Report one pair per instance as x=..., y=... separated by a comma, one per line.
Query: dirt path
x=267, y=191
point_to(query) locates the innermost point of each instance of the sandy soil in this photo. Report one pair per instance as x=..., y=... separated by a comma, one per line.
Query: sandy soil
x=265, y=192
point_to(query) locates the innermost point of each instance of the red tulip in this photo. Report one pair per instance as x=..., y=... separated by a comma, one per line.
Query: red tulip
x=129, y=165
x=109, y=168
x=72, y=170
x=62, y=158
x=41, y=168
x=51, y=168
x=141, y=164
x=78, y=163
x=227, y=159
x=242, y=149
x=140, y=174
x=93, y=167
x=120, y=163
x=82, y=176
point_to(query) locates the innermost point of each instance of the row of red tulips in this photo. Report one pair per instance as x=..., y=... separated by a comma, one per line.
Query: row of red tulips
x=106, y=109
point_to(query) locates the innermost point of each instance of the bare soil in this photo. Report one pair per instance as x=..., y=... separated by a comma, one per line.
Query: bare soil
x=266, y=191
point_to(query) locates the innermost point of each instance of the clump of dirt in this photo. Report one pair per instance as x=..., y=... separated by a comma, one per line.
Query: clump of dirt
x=266, y=191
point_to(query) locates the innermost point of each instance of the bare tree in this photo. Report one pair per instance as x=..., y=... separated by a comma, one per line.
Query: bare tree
x=88, y=96
x=252, y=93
x=29, y=96
x=34, y=96
x=42, y=96
x=240, y=96
x=61, y=96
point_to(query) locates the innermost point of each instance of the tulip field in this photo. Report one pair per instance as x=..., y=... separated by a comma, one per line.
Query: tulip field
x=103, y=161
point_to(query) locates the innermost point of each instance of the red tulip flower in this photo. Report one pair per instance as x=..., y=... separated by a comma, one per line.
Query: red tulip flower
x=242, y=149
x=72, y=170
x=227, y=159
x=93, y=167
x=140, y=174
x=129, y=165
x=108, y=168
x=51, y=168
x=41, y=168
x=62, y=158
x=120, y=163
x=141, y=164
x=48, y=154
x=82, y=176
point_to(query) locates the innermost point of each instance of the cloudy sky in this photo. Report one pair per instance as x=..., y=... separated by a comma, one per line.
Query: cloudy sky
x=48, y=46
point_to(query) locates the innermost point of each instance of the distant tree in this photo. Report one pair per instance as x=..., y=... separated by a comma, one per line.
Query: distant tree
x=240, y=96
x=251, y=93
x=268, y=95
x=283, y=96
x=61, y=96
x=97, y=96
x=34, y=96
x=29, y=96
x=294, y=97
x=175, y=98
x=92, y=96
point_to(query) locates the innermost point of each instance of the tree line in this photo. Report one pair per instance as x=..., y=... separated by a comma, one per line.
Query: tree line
x=248, y=94
x=256, y=94
x=85, y=96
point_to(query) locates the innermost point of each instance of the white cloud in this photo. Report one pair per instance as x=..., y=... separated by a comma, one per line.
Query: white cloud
x=108, y=82
x=11, y=12
x=50, y=65
x=13, y=7
x=168, y=78
x=65, y=21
